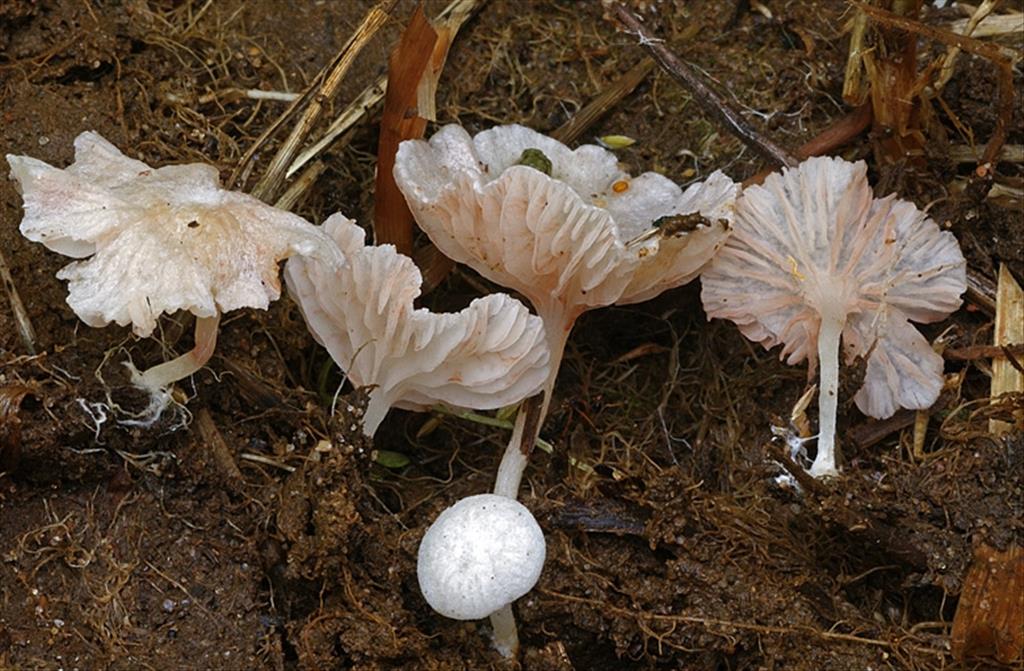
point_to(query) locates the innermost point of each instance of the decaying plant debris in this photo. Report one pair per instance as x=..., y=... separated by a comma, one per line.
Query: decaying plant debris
x=670, y=543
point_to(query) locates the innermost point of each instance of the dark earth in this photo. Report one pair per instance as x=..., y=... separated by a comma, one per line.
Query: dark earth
x=256, y=531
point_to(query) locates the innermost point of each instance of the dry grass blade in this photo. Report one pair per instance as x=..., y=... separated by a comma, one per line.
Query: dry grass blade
x=325, y=85
x=711, y=102
x=401, y=120
x=968, y=29
x=1009, y=331
x=21, y=318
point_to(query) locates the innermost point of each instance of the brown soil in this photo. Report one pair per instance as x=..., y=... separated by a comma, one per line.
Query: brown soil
x=171, y=547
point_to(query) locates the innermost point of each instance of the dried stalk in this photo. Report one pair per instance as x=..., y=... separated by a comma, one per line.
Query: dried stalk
x=350, y=116
x=21, y=318
x=326, y=85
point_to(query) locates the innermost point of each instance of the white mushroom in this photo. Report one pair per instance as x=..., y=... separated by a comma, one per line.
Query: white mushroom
x=566, y=228
x=488, y=355
x=158, y=240
x=479, y=556
x=815, y=256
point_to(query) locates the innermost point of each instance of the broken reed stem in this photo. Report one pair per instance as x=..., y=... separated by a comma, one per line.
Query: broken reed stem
x=981, y=291
x=350, y=116
x=326, y=86
x=711, y=102
x=993, y=53
x=572, y=129
x=298, y=189
x=21, y=318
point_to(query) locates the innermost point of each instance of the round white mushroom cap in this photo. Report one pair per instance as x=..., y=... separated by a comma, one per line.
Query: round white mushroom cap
x=480, y=555
x=159, y=239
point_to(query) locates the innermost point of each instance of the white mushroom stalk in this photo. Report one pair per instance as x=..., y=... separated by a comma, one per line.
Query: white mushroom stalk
x=489, y=355
x=815, y=260
x=568, y=229
x=477, y=558
x=158, y=240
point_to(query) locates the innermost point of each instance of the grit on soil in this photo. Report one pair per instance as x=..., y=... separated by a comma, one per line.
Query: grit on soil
x=257, y=531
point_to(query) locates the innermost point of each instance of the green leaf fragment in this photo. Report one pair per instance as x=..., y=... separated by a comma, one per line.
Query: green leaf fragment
x=535, y=158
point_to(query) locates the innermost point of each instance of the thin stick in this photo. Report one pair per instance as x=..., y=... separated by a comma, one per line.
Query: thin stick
x=572, y=129
x=21, y=318
x=336, y=71
x=981, y=291
x=711, y=102
x=218, y=447
x=983, y=352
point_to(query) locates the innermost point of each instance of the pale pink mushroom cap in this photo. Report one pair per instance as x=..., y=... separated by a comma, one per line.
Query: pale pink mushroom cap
x=159, y=239
x=489, y=355
x=560, y=240
x=814, y=239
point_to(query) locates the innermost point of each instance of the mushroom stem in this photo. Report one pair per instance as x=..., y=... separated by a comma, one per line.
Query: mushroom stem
x=506, y=635
x=531, y=415
x=163, y=375
x=828, y=365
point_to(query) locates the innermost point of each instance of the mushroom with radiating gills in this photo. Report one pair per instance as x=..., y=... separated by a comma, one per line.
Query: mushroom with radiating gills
x=155, y=241
x=490, y=354
x=815, y=258
x=568, y=229
x=478, y=557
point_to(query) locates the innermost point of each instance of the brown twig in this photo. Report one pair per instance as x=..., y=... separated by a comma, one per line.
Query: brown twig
x=981, y=292
x=807, y=481
x=711, y=102
x=21, y=318
x=828, y=140
x=982, y=352
x=533, y=407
